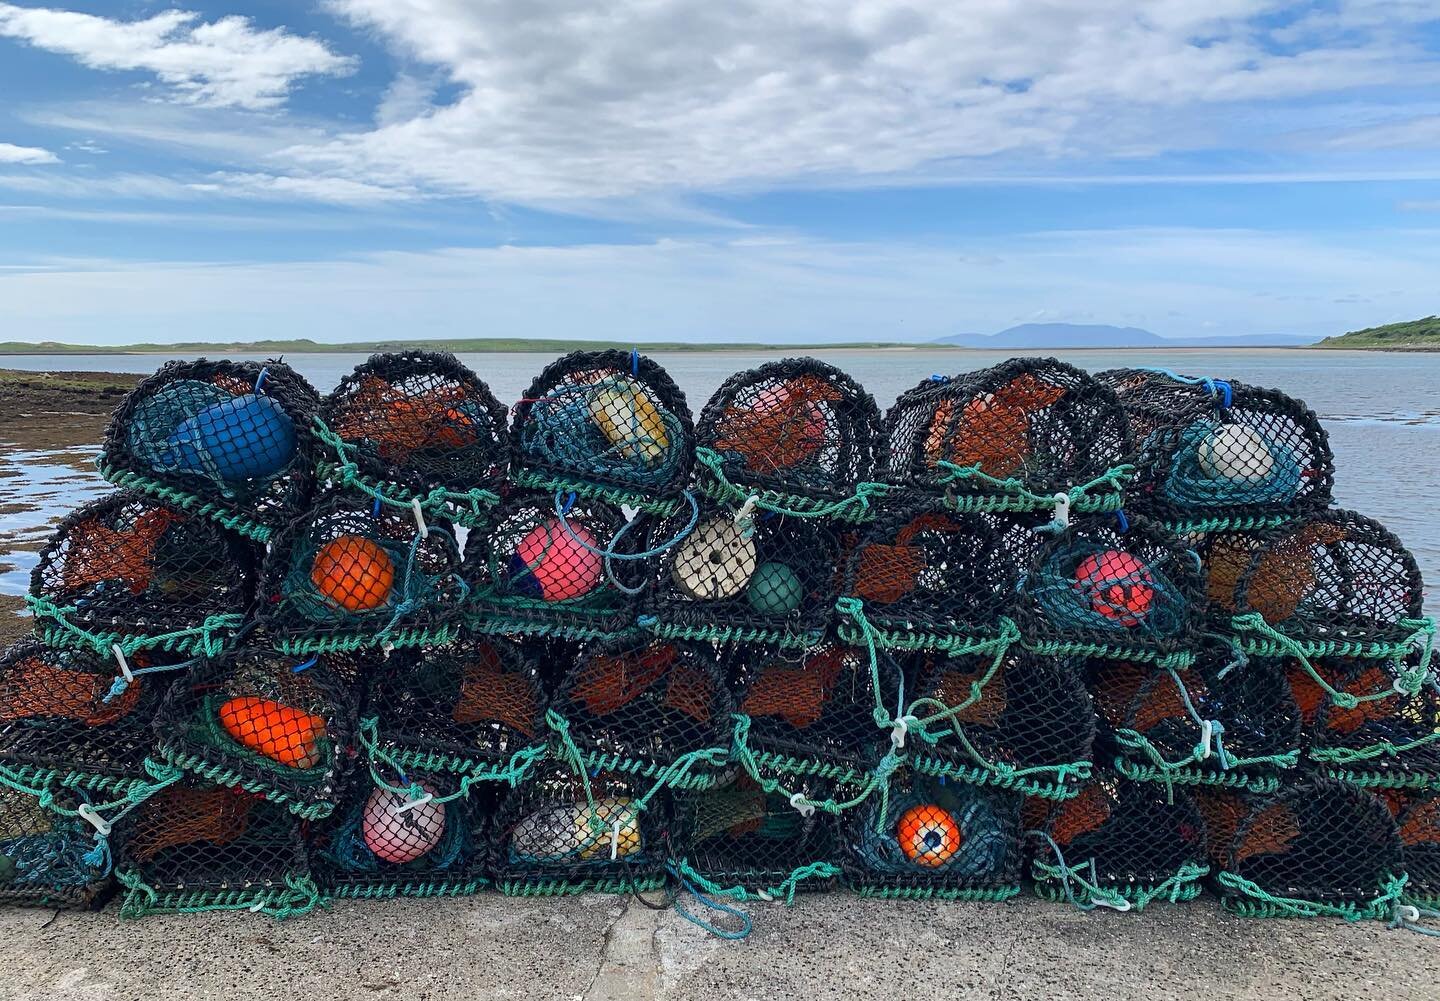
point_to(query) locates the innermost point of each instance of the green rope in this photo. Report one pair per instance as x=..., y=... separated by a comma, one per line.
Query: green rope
x=302, y=645
x=1220, y=523
x=236, y=522
x=230, y=778
x=741, y=752
x=993, y=895
x=535, y=887
x=1177, y=659
x=385, y=891
x=1408, y=679
x=734, y=634
x=1254, y=901
x=300, y=896
x=1232, y=780
x=208, y=639
x=1421, y=780
x=783, y=891
x=1383, y=748
x=855, y=508
x=1056, y=881
x=648, y=503
x=1081, y=498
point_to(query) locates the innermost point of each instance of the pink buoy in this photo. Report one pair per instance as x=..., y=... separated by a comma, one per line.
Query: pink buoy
x=1118, y=586
x=401, y=835
x=556, y=562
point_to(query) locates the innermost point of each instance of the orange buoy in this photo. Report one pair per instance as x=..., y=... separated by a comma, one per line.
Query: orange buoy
x=354, y=572
x=283, y=733
x=928, y=835
x=1117, y=585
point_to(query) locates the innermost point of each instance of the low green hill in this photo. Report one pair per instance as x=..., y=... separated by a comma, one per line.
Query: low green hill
x=459, y=346
x=1414, y=335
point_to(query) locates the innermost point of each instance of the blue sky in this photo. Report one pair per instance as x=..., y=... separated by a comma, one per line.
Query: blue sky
x=669, y=169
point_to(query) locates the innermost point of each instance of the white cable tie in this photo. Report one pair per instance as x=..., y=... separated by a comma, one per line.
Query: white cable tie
x=1062, y=510
x=797, y=800
x=1122, y=906
x=412, y=804
x=257, y=907
x=1400, y=686
x=1207, y=735
x=747, y=509
x=897, y=732
x=1407, y=912
x=615, y=840
x=419, y=517
x=124, y=666
x=87, y=813
x=765, y=896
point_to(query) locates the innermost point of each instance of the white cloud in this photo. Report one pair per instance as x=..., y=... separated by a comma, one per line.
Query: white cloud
x=222, y=63
x=28, y=155
x=337, y=190
x=1174, y=281
x=568, y=99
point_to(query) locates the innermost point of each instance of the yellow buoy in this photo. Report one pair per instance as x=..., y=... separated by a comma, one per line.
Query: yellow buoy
x=630, y=420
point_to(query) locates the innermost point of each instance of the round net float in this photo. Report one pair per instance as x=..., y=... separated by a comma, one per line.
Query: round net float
x=556, y=562
x=928, y=834
x=354, y=572
x=229, y=440
x=281, y=733
x=775, y=589
x=716, y=560
x=1117, y=585
x=399, y=830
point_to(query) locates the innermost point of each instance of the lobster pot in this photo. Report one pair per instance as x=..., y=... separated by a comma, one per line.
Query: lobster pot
x=1417, y=817
x=471, y=707
x=262, y=722
x=763, y=578
x=1221, y=455
x=933, y=838
x=205, y=847
x=354, y=574
x=652, y=710
x=418, y=426
x=1008, y=438
x=1118, y=843
x=49, y=856
x=1119, y=588
x=1029, y=727
x=743, y=841
x=797, y=434
x=923, y=577
x=1316, y=848
x=386, y=839
x=556, y=569
x=557, y=833
x=1202, y=726
x=61, y=726
x=1385, y=739
x=153, y=578
x=811, y=712
x=230, y=440
x=1336, y=583
x=605, y=424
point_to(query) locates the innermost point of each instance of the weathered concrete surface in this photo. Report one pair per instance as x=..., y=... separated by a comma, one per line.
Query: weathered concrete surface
x=595, y=947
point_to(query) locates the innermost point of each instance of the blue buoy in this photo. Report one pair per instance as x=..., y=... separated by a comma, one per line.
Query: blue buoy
x=247, y=437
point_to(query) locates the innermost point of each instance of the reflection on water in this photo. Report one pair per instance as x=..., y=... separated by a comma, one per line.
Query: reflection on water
x=1378, y=407
x=39, y=487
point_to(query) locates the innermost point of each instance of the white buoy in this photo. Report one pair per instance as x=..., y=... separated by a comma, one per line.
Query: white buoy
x=716, y=561
x=1236, y=452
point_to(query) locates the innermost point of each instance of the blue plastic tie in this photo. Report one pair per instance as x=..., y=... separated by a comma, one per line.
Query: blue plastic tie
x=306, y=665
x=634, y=361
x=1123, y=520
x=260, y=379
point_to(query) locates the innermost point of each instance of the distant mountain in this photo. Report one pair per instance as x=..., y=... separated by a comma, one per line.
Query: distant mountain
x=1098, y=335
x=1415, y=335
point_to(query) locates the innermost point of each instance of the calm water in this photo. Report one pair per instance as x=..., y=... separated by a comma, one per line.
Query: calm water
x=1382, y=412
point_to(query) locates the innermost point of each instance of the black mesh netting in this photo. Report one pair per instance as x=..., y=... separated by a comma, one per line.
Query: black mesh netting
x=559, y=832
x=68, y=715
x=1217, y=453
x=418, y=422
x=1360, y=727
x=1023, y=722
x=1218, y=722
x=1111, y=586
x=264, y=722
x=1316, y=847
x=1118, y=843
x=1417, y=816
x=49, y=857
x=129, y=569
x=352, y=574
x=932, y=837
x=927, y=577
x=204, y=847
x=811, y=712
x=474, y=706
x=557, y=567
x=418, y=834
x=233, y=439
x=762, y=577
x=1010, y=437
x=798, y=432
x=612, y=420
x=658, y=709
x=1336, y=582
x=738, y=835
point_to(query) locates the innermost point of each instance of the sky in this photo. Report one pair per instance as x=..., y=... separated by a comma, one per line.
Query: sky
x=744, y=171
